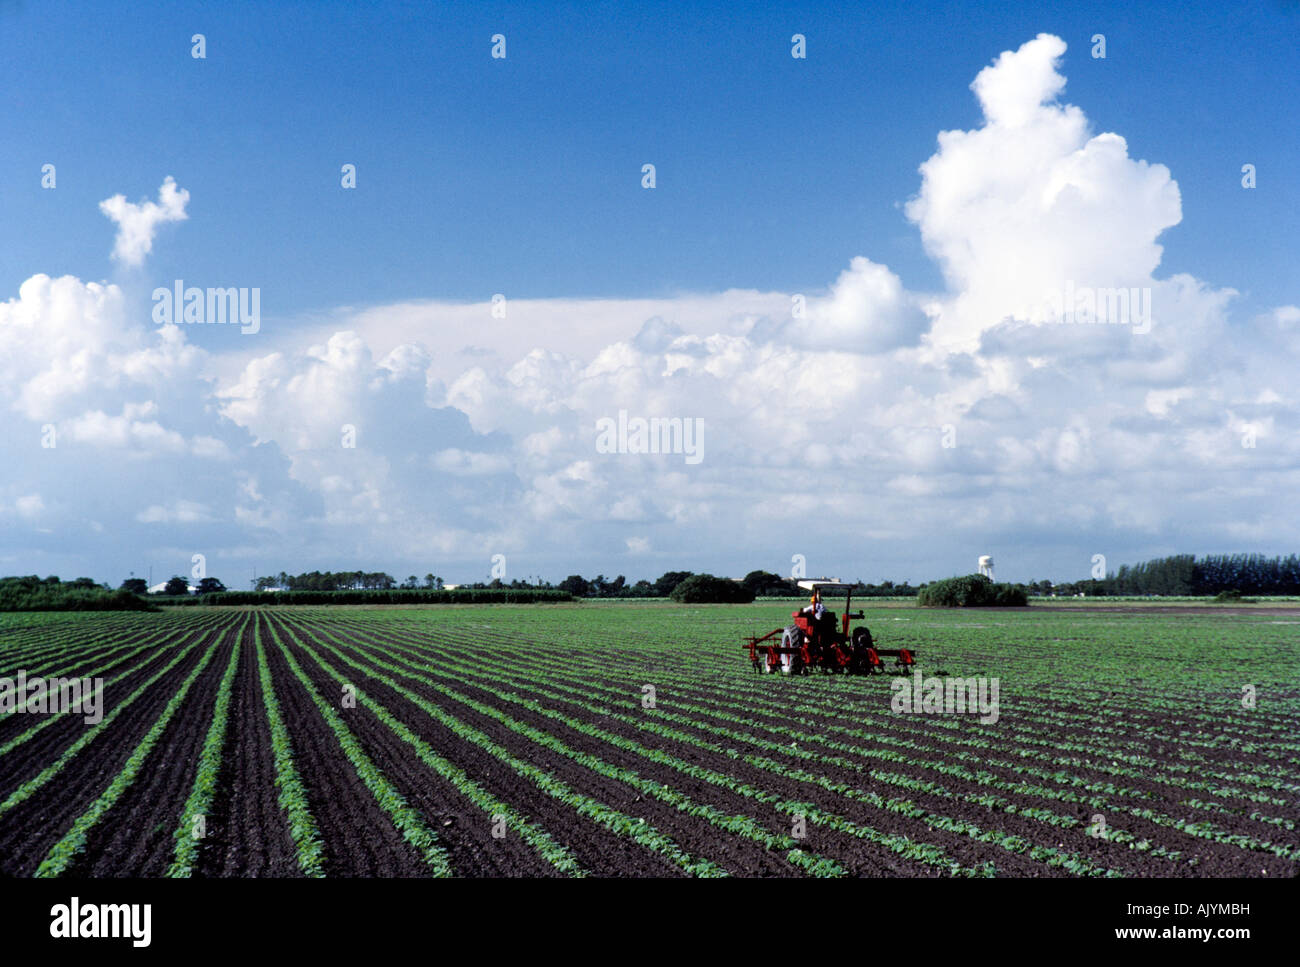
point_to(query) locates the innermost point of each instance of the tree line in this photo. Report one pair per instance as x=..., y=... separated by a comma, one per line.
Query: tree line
x=175, y=586
x=759, y=584
x=1176, y=575
x=1187, y=574
x=33, y=593
x=343, y=581
x=461, y=595
x=1182, y=575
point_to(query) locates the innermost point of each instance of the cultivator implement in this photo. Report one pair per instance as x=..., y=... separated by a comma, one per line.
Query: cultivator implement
x=816, y=641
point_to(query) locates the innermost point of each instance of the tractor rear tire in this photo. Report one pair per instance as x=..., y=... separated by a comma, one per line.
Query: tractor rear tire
x=861, y=649
x=792, y=637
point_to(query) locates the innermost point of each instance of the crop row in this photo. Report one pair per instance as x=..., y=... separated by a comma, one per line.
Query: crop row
x=199, y=803
x=73, y=842
x=293, y=795
x=1202, y=829
x=403, y=817
x=479, y=678
x=541, y=841
x=744, y=826
x=619, y=823
x=31, y=786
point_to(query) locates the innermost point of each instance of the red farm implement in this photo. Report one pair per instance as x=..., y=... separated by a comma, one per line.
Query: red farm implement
x=817, y=641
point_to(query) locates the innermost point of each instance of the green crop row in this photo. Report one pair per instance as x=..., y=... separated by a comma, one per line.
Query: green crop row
x=935, y=755
x=404, y=818
x=73, y=842
x=205, y=780
x=645, y=721
x=28, y=788
x=541, y=841
x=744, y=826
x=638, y=830
x=160, y=641
x=1203, y=830
x=48, y=720
x=769, y=765
x=293, y=795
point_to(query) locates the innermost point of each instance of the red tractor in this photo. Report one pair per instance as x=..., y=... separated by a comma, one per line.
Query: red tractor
x=817, y=640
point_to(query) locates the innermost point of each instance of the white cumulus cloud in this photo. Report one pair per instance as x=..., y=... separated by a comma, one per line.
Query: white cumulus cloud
x=882, y=425
x=137, y=222
x=1032, y=200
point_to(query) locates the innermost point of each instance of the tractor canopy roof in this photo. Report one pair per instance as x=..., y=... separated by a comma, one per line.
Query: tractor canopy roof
x=824, y=584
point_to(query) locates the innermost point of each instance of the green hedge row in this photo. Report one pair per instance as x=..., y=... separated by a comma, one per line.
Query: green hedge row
x=419, y=596
x=64, y=598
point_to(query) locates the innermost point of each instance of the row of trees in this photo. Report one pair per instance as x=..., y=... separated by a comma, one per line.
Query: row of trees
x=33, y=593
x=1178, y=575
x=597, y=587
x=1211, y=574
x=527, y=595
x=757, y=584
x=175, y=586
x=343, y=581
x=311, y=581
x=602, y=587
x=1187, y=574
x=1182, y=574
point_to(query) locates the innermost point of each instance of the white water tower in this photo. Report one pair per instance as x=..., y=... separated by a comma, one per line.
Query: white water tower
x=986, y=566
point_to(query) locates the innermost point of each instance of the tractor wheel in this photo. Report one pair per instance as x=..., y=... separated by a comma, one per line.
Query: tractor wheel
x=792, y=637
x=861, y=646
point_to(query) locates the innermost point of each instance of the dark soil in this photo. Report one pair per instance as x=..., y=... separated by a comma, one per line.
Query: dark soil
x=247, y=831
x=30, y=829
x=136, y=836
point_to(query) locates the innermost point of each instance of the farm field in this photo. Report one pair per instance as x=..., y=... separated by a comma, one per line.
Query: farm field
x=517, y=741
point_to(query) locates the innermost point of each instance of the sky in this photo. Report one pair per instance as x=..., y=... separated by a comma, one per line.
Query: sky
x=851, y=283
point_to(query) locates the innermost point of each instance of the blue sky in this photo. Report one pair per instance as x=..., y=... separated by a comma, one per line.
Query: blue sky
x=479, y=176
x=522, y=176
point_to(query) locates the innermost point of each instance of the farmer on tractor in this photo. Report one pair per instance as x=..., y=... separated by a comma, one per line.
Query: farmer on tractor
x=817, y=641
x=815, y=607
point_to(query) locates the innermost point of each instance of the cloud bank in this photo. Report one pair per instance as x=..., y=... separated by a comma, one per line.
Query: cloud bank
x=879, y=431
